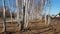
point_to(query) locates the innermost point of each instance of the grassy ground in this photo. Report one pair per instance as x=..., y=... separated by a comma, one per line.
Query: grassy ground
x=8, y=19
x=38, y=27
x=41, y=28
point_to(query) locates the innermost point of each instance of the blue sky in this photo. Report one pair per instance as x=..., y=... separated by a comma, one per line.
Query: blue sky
x=55, y=6
x=0, y=2
x=12, y=8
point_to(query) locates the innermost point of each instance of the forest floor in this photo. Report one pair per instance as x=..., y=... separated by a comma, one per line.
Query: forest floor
x=39, y=27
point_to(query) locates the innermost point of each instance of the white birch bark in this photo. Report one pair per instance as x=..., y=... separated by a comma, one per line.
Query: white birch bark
x=45, y=12
x=42, y=2
x=48, y=12
x=10, y=11
x=25, y=13
x=17, y=10
x=4, y=25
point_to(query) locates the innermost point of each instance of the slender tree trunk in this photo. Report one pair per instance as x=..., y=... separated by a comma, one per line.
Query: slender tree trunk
x=4, y=24
x=10, y=11
x=48, y=1
x=17, y=10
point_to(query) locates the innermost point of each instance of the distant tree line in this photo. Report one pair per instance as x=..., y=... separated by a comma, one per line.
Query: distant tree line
x=7, y=13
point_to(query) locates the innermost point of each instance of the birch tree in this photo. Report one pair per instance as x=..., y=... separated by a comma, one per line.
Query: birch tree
x=4, y=24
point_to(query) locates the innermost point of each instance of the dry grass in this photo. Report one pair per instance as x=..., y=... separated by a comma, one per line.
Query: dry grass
x=7, y=20
x=39, y=27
